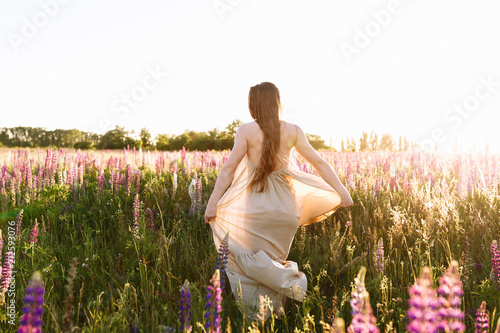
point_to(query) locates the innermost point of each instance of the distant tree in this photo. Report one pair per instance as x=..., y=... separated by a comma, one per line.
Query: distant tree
x=4, y=136
x=373, y=141
x=363, y=142
x=215, y=137
x=226, y=137
x=351, y=144
x=233, y=127
x=179, y=141
x=132, y=143
x=386, y=142
x=145, y=138
x=84, y=144
x=163, y=142
x=114, y=139
x=316, y=141
x=70, y=137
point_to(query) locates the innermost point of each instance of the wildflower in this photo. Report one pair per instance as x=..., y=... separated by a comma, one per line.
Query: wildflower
x=449, y=292
x=357, y=292
x=422, y=311
x=482, y=323
x=183, y=155
x=68, y=323
x=1, y=247
x=134, y=328
x=185, y=308
x=198, y=194
x=137, y=181
x=34, y=233
x=149, y=214
x=174, y=182
x=222, y=259
x=193, y=194
x=19, y=220
x=364, y=321
x=136, y=215
x=379, y=263
x=213, y=306
x=339, y=325
x=33, y=306
x=129, y=178
x=495, y=261
x=6, y=272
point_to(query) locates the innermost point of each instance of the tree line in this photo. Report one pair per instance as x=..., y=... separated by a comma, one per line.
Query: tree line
x=119, y=138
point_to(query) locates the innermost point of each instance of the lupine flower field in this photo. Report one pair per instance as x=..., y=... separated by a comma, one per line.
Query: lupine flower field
x=114, y=241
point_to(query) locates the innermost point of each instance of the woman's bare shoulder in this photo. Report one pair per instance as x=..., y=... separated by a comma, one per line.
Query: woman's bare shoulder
x=249, y=127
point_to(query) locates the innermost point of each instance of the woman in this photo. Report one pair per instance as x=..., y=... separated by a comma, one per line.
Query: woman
x=269, y=199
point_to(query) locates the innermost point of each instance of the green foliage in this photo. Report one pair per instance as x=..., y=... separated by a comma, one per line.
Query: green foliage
x=84, y=145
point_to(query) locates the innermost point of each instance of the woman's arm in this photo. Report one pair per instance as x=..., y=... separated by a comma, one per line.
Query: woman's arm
x=324, y=169
x=227, y=172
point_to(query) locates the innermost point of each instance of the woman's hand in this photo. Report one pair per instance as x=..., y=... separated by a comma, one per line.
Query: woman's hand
x=346, y=200
x=210, y=212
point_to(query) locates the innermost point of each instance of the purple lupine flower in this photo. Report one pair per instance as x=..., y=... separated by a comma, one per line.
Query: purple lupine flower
x=495, y=261
x=1, y=247
x=482, y=322
x=185, y=308
x=379, y=263
x=222, y=259
x=213, y=306
x=34, y=233
x=31, y=321
x=19, y=220
x=450, y=290
x=129, y=178
x=135, y=328
x=116, y=182
x=136, y=215
x=364, y=321
x=151, y=219
x=137, y=181
x=423, y=304
x=357, y=291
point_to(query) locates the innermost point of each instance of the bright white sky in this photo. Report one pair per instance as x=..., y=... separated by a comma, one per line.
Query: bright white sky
x=74, y=67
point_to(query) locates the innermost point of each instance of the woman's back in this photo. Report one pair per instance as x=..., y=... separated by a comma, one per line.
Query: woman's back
x=287, y=141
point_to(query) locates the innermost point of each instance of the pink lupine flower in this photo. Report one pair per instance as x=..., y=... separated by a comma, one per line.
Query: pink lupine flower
x=34, y=233
x=482, y=322
x=495, y=261
x=423, y=305
x=6, y=272
x=19, y=220
x=149, y=214
x=450, y=291
x=129, y=178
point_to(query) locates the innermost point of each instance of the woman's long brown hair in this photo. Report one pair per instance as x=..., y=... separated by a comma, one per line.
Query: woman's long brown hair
x=264, y=104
